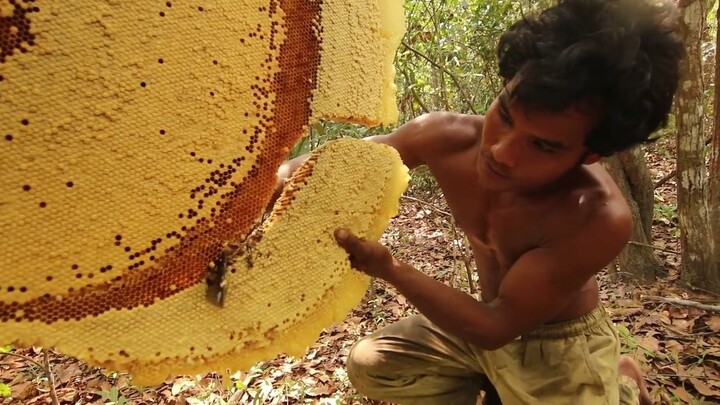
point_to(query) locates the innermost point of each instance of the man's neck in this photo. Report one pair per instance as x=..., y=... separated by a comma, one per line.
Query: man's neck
x=564, y=182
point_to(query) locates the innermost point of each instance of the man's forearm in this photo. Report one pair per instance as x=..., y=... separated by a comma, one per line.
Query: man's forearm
x=450, y=309
x=284, y=171
x=288, y=167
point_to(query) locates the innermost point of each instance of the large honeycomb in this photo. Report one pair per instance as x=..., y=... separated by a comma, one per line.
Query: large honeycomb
x=141, y=138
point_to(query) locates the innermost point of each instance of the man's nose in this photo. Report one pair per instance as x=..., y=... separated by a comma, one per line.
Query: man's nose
x=503, y=151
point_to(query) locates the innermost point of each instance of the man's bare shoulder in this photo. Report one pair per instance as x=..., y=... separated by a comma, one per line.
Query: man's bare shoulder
x=451, y=127
x=446, y=134
x=592, y=208
x=424, y=139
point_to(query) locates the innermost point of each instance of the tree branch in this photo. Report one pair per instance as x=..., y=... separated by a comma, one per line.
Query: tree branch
x=26, y=358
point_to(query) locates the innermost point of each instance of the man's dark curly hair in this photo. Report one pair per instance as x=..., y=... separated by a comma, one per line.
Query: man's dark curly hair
x=622, y=53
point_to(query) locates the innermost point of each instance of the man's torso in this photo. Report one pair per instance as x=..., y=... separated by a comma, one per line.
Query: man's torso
x=502, y=227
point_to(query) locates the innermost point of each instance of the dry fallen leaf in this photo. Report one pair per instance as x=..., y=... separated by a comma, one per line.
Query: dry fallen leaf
x=318, y=390
x=703, y=388
x=649, y=343
x=713, y=323
x=683, y=325
x=681, y=393
x=64, y=373
x=673, y=346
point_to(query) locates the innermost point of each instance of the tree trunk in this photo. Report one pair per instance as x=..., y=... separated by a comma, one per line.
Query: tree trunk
x=714, y=180
x=641, y=186
x=695, y=237
x=629, y=169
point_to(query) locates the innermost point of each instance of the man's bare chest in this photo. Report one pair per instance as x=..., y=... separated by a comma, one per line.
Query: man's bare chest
x=497, y=235
x=499, y=232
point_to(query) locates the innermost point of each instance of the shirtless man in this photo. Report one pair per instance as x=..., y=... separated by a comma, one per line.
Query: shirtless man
x=585, y=79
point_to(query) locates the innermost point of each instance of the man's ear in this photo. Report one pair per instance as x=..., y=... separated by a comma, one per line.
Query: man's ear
x=591, y=158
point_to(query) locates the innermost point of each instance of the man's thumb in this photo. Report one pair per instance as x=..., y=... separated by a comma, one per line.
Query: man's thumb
x=342, y=235
x=346, y=239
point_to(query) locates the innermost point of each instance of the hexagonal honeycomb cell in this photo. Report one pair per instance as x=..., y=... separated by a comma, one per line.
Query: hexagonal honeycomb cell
x=140, y=139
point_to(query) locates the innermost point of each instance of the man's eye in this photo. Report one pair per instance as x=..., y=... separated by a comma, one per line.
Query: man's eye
x=543, y=147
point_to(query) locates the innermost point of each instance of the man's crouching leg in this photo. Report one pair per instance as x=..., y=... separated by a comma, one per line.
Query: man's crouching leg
x=414, y=362
x=632, y=383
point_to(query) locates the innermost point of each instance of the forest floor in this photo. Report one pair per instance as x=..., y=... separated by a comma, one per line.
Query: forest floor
x=678, y=346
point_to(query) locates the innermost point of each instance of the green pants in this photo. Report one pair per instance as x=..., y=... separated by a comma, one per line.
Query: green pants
x=415, y=362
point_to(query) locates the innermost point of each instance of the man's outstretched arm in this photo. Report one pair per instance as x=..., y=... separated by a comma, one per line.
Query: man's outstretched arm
x=416, y=141
x=538, y=286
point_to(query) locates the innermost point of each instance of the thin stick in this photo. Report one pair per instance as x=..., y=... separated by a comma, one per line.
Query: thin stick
x=50, y=377
x=687, y=303
x=26, y=358
x=455, y=254
x=431, y=206
x=414, y=94
x=464, y=256
x=468, y=269
x=696, y=288
x=665, y=179
x=706, y=378
x=632, y=242
x=45, y=368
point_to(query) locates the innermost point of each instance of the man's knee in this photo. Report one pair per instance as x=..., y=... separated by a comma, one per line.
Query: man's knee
x=364, y=361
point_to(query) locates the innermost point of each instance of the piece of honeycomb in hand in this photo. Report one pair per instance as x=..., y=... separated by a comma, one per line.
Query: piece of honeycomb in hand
x=139, y=139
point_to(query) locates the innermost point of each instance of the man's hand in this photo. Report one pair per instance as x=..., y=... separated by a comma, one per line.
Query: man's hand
x=371, y=258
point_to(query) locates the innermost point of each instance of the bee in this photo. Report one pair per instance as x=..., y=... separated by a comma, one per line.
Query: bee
x=248, y=248
x=215, y=276
x=216, y=271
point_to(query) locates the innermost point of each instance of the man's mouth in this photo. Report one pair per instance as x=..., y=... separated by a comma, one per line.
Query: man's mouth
x=493, y=169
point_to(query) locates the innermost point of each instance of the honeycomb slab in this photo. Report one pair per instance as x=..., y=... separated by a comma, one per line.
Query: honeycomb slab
x=138, y=139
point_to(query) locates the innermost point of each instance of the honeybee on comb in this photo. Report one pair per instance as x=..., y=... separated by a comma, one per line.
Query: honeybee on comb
x=215, y=276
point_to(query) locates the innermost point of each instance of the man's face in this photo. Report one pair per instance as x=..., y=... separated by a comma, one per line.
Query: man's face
x=528, y=149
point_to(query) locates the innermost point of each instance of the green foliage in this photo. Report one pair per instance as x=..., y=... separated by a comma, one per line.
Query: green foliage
x=447, y=59
x=627, y=343
x=323, y=132
x=6, y=349
x=422, y=180
x=666, y=213
x=4, y=390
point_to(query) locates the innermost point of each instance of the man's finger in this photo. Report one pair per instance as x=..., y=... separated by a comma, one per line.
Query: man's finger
x=344, y=237
x=351, y=243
